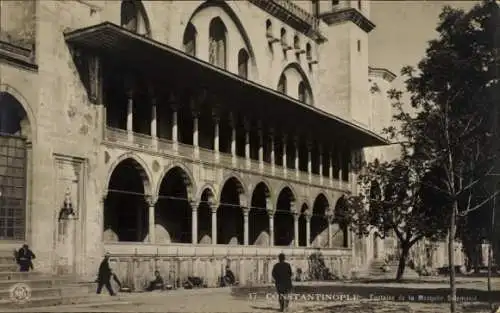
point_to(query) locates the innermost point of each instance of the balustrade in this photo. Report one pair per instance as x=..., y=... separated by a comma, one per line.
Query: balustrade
x=167, y=147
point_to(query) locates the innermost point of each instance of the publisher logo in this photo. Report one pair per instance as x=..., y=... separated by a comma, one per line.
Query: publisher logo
x=20, y=293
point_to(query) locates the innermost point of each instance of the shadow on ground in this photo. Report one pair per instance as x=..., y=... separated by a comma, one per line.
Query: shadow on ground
x=380, y=293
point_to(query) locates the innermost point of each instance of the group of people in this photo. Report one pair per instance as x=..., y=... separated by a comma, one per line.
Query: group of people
x=281, y=273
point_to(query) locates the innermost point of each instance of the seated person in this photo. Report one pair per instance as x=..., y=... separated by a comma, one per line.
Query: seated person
x=157, y=283
x=229, y=278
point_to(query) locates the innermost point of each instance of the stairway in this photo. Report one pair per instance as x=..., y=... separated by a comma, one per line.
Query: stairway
x=378, y=270
x=46, y=290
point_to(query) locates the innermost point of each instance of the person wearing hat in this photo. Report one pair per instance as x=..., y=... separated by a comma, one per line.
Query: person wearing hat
x=24, y=258
x=104, y=276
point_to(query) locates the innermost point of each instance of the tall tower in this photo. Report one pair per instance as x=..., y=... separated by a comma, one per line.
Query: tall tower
x=344, y=87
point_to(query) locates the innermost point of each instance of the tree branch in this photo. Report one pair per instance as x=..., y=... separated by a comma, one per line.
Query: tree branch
x=480, y=204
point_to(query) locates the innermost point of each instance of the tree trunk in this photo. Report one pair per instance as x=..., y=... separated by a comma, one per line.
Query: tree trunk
x=405, y=250
x=451, y=256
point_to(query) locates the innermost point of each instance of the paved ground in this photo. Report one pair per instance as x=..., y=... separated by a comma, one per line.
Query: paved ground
x=223, y=300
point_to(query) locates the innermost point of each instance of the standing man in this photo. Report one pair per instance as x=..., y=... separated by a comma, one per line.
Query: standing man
x=25, y=258
x=104, y=276
x=282, y=275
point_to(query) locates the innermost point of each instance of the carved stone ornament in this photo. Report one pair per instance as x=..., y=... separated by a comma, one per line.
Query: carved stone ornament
x=67, y=211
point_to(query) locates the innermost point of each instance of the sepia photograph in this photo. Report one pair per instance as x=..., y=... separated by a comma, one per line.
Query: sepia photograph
x=250, y=156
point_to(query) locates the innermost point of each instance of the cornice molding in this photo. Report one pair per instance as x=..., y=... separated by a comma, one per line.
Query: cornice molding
x=381, y=72
x=348, y=14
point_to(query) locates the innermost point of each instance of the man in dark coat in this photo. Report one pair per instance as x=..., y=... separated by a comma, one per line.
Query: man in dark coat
x=282, y=275
x=25, y=258
x=104, y=276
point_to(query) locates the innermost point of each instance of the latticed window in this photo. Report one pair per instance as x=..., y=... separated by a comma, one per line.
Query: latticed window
x=243, y=63
x=217, y=45
x=12, y=187
x=189, y=40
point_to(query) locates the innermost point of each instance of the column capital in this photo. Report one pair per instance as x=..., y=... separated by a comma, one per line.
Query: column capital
x=246, y=123
x=151, y=200
x=213, y=207
x=284, y=136
x=216, y=113
x=309, y=144
x=152, y=93
x=232, y=119
x=194, y=107
x=260, y=125
x=194, y=204
x=296, y=139
x=246, y=211
x=173, y=102
x=271, y=212
x=129, y=85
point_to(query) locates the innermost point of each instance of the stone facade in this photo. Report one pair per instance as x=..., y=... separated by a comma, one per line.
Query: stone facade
x=77, y=142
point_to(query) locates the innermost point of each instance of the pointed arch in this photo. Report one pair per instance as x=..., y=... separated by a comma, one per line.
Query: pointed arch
x=141, y=166
x=207, y=190
x=242, y=189
x=303, y=86
x=292, y=191
x=8, y=90
x=133, y=17
x=189, y=39
x=243, y=58
x=186, y=175
x=282, y=84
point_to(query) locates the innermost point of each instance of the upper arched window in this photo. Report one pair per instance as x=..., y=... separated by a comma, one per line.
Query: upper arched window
x=283, y=37
x=133, y=17
x=269, y=28
x=305, y=95
x=243, y=63
x=282, y=84
x=129, y=15
x=217, y=47
x=189, y=40
x=308, y=51
x=296, y=42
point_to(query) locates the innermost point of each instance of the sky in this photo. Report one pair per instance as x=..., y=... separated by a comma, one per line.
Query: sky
x=402, y=31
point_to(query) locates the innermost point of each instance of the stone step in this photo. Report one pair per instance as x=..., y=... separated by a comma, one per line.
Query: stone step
x=20, y=275
x=39, y=282
x=8, y=268
x=35, y=303
x=7, y=260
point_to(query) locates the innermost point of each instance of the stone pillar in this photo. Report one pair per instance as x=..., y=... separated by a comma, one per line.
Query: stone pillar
x=271, y=142
x=232, y=123
x=330, y=167
x=194, y=222
x=309, y=160
x=284, y=138
x=196, y=114
x=246, y=212
x=330, y=230
x=175, y=135
x=296, y=237
x=246, y=125
x=339, y=159
x=320, y=151
x=308, y=229
x=213, y=208
x=270, y=213
x=151, y=218
x=296, y=144
x=261, y=146
x=216, y=118
x=154, y=122
x=130, y=114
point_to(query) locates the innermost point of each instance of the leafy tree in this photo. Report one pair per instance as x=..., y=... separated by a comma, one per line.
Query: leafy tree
x=453, y=130
x=396, y=205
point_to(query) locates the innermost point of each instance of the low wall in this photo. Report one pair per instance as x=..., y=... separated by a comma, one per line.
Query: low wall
x=135, y=264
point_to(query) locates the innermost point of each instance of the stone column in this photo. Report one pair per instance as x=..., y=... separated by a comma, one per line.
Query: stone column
x=216, y=118
x=232, y=123
x=246, y=125
x=196, y=115
x=130, y=114
x=270, y=213
x=151, y=218
x=271, y=142
x=330, y=230
x=154, y=122
x=284, y=138
x=213, y=208
x=296, y=144
x=246, y=212
x=308, y=229
x=194, y=222
x=339, y=160
x=296, y=237
x=330, y=167
x=320, y=151
x=261, y=146
x=175, y=136
x=309, y=159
